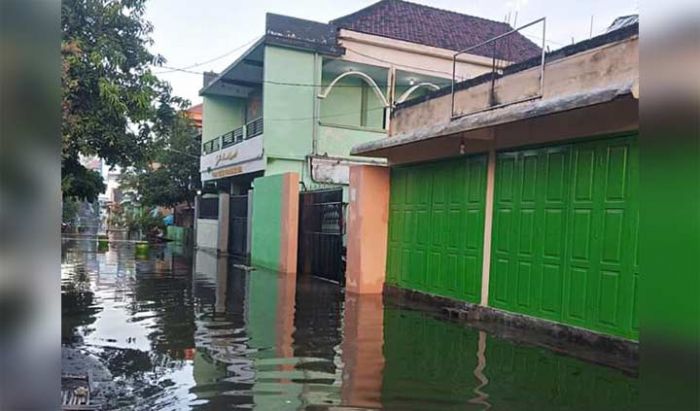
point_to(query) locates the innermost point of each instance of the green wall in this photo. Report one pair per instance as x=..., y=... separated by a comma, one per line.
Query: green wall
x=267, y=221
x=344, y=104
x=221, y=115
x=337, y=141
x=280, y=166
x=289, y=109
x=179, y=234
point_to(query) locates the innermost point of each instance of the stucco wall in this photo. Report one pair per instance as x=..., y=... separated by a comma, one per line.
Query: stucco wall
x=289, y=109
x=603, y=66
x=367, y=229
x=207, y=233
x=431, y=61
x=221, y=115
x=344, y=104
x=275, y=222
x=337, y=141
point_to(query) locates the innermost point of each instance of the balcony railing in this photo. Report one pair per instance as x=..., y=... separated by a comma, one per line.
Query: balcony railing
x=255, y=127
x=233, y=137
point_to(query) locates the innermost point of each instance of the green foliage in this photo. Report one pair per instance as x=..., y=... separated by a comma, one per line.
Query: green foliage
x=174, y=176
x=79, y=182
x=142, y=220
x=112, y=105
x=136, y=219
x=70, y=210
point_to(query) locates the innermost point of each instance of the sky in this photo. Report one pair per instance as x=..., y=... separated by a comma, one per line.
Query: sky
x=215, y=32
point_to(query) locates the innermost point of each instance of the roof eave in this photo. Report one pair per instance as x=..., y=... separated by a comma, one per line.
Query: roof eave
x=497, y=117
x=230, y=67
x=296, y=44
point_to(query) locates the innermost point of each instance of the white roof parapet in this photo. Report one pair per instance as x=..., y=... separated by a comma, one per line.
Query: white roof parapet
x=502, y=115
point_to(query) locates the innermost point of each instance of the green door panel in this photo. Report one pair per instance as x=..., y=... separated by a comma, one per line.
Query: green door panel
x=564, y=244
x=436, y=221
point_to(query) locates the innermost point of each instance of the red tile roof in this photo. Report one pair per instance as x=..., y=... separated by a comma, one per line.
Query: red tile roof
x=402, y=20
x=195, y=114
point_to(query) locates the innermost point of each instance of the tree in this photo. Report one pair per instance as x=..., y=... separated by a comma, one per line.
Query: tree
x=173, y=177
x=112, y=104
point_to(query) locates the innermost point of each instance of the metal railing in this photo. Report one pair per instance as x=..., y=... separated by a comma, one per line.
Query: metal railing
x=249, y=130
x=498, y=63
x=211, y=146
x=254, y=128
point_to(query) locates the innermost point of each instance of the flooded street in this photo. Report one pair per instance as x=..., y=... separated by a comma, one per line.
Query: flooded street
x=178, y=329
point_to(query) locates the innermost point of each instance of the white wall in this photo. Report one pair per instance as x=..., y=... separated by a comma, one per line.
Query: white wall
x=207, y=233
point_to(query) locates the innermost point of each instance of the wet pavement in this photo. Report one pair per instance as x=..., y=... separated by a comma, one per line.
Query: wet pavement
x=178, y=329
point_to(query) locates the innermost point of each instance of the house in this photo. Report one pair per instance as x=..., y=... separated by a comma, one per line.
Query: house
x=515, y=198
x=279, y=122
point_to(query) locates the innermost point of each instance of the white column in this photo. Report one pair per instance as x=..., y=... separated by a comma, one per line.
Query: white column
x=222, y=243
x=488, y=224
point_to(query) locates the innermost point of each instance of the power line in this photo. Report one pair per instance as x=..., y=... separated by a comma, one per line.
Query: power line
x=228, y=53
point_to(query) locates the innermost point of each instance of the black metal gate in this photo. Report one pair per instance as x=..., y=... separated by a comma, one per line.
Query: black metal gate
x=321, y=230
x=238, y=227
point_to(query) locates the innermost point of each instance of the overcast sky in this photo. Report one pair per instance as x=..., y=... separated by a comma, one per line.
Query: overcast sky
x=190, y=32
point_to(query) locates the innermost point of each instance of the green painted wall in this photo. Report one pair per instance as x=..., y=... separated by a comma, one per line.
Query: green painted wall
x=344, y=105
x=429, y=361
x=565, y=234
x=179, y=234
x=267, y=209
x=337, y=141
x=288, y=109
x=280, y=166
x=436, y=226
x=221, y=115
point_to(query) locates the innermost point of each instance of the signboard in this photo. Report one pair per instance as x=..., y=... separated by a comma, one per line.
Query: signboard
x=241, y=158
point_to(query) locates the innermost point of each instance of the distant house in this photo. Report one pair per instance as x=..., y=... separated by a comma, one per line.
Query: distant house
x=195, y=114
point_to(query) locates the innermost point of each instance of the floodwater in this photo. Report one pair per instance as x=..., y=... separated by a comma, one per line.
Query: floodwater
x=180, y=330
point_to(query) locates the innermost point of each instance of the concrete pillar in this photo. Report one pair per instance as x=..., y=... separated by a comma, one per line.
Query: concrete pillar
x=362, y=350
x=275, y=222
x=222, y=243
x=367, y=229
x=488, y=224
x=289, y=233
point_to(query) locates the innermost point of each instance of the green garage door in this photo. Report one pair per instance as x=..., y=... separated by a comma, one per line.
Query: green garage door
x=436, y=227
x=565, y=234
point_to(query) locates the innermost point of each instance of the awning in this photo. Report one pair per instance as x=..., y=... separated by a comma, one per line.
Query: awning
x=512, y=113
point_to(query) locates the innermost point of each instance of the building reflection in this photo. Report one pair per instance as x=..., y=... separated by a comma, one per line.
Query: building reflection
x=362, y=350
x=432, y=361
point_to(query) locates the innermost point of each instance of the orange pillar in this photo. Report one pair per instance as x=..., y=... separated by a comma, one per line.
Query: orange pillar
x=367, y=229
x=362, y=350
x=290, y=223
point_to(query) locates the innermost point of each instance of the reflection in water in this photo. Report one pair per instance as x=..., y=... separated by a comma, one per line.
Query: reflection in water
x=193, y=332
